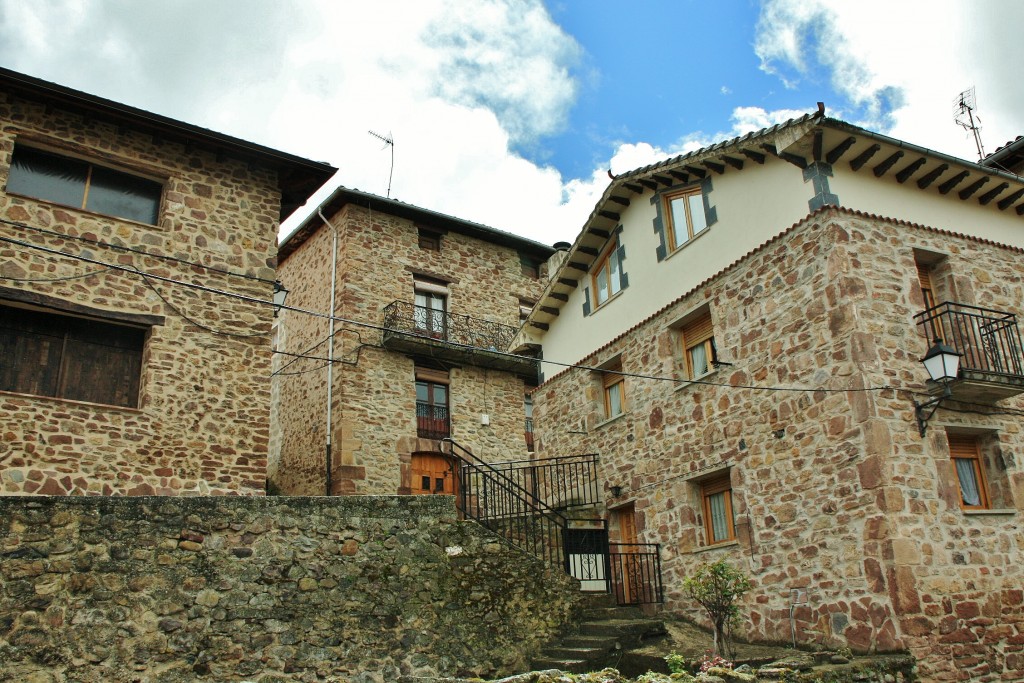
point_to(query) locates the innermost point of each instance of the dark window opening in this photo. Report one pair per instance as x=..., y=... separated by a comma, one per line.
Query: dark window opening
x=83, y=185
x=429, y=240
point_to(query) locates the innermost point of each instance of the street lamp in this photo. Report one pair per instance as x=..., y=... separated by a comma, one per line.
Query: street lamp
x=943, y=365
x=280, y=294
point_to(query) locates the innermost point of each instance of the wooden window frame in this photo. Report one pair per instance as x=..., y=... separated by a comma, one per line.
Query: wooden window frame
x=708, y=489
x=117, y=348
x=431, y=378
x=18, y=177
x=432, y=321
x=428, y=240
x=602, y=269
x=610, y=377
x=698, y=330
x=967, y=447
x=670, y=223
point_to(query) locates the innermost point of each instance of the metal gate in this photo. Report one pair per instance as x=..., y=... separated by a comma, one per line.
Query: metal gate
x=586, y=558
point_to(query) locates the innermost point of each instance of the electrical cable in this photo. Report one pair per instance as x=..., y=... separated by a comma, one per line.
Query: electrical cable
x=54, y=279
x=381, y=328
x=134, y=250
x=181, y=314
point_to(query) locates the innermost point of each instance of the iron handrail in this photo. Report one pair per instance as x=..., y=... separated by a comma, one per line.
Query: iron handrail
x=636, y=573
x=563, y=481
x=506, y=507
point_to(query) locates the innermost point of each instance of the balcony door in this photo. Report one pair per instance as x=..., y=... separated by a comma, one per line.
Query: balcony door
x=429, y=315
x=432, y=410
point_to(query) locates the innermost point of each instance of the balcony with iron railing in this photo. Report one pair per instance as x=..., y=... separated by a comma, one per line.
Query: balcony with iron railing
x=461, y=339
x=432, y=421
x=992, y=363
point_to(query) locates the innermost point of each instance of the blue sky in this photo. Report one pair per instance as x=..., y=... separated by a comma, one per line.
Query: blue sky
x=510, y=112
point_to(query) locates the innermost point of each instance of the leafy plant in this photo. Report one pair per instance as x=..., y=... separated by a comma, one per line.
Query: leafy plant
x=676, y=663
x=717, y=587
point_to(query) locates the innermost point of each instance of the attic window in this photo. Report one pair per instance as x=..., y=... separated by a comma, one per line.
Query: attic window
x=428, y=240
x=530, y=266
x=83, y=185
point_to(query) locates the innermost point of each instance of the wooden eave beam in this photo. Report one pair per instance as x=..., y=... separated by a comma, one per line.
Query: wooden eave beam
x=599, y=233
x=699, y=172
x=558, y=296
x=1020, y=210
x=932, y=175
x=816, y=146
x=635, y=189
x=549, y=310
x=889, y=162
x=621, y=201
x=540, y=326
x=837, y=152
x=770, y=149
x=664, y=180
x=1007, y=202
x=968, y=191
x=680, y=176
x=611, y=215
x=568, y=282
x=945, y=187
x=734, y=162
x=904, y=175
x=753, y=156
x=717, y=168
x=794, y=159
x=863, y=157
x=590, y=251
x=576, y=265
x=649, y=184
x=993, y=193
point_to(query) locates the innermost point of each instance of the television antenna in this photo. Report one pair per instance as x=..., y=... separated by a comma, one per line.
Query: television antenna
x=964, y=108
x=388, y=141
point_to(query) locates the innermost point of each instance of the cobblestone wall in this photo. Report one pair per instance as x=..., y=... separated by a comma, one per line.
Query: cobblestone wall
x=264, y=589
x=201, y=422
x=834, y=493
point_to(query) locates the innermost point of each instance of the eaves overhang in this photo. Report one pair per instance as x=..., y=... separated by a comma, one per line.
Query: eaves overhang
x=298, y=178
x=420, y=216
x=801, y=142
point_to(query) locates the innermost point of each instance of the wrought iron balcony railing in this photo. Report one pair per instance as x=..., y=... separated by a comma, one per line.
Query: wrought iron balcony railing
x=989, y=340
x=408, y=318
x=432, y=421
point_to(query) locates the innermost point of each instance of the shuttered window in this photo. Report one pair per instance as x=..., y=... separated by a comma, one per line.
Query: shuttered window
x=924, y=279
x=697, y=338
x=716, y=495
x=614, y=391
x=963, y=449
x=72, y=358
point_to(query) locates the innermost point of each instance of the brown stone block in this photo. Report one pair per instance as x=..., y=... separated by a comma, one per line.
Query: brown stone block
x=917, y=626
x=351, y=472
x=870, y=471
x=903, y=590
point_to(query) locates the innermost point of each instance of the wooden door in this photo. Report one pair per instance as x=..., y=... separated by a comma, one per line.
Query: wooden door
x=432, y=473
x=626, y=579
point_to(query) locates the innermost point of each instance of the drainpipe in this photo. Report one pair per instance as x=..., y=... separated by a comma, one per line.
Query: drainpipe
x=330, y=346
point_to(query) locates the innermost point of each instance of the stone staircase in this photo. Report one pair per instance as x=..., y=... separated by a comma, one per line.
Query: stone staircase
x=602, y=635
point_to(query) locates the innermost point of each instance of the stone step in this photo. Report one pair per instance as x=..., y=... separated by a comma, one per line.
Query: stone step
x=574, y=666
x=579, y=640
x=623, y=629
x=602, y=613
x=575, y=653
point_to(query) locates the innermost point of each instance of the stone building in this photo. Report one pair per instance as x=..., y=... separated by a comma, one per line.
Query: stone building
x=137, y=258
x=747, y=323
x=426, y=306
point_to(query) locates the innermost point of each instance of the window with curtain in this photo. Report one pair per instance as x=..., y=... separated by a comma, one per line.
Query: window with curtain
x=716, y=495
x=966, y=454
x=697, y=338
x=607, y=275
x=83, y=185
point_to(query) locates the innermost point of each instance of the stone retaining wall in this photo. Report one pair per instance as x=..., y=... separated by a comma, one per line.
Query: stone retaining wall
x=264, y=589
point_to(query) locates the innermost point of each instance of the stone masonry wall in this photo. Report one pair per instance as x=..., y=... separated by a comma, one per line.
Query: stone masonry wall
x=201, y=426
x=834, y=492
x=374, y=397
x=264, y=589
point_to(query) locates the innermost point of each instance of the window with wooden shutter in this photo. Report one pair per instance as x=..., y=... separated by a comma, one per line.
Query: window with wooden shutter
x=68, y=357
x=697, y=338
x=614, y=390
x=966, y=454
x=924, y=279
x=716, y=498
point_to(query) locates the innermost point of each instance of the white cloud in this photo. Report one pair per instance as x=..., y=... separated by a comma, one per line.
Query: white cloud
x=458, y=83
x=901, y=64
